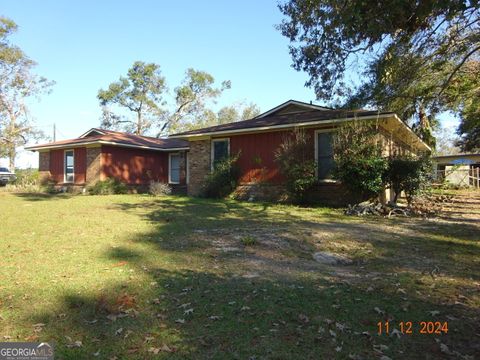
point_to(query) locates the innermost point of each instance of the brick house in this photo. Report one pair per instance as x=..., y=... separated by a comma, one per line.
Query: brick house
x=185, y=159
x=99, y=154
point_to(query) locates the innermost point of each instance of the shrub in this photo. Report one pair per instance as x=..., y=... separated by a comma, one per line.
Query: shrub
x=108, y=187
x=159, y=188
x=248, y=240
x=362, y=176
x=359, y=164
x=26, y=177
x=295, y=162
x=223, y=179
x=407, y=173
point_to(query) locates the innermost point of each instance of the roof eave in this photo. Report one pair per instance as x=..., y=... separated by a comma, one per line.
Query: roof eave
x=308, y=123
x=102, y=142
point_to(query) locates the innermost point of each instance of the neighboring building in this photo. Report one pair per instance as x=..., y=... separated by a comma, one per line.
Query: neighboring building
x=459, y=169
x=185, y=159
x=99, y=154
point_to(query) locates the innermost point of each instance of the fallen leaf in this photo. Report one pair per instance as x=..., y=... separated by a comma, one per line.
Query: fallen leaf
x=332, y=333
x=188, y=311
x=214, y=317
x=77, y=344
x=245, y=308
x=379, y=311
x=166, y=348
x=434, y=312
x=112, y=317
x=180, y=321
x=148, y=339
x=444, y=348
x=119, y=331
x=154, y=350
x=303, y=318
x=338, y=349
x=127, y=334
x=396, y=332
x=96, y=353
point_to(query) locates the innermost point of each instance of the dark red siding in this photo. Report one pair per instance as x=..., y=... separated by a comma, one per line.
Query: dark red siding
x=134, y=166
x=257, y=155
x=80, y=164
x=57, y=163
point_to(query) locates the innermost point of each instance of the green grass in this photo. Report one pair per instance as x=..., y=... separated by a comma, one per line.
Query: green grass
x=129, y=274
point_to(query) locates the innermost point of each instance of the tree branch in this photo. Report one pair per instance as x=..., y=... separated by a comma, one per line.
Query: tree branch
x=460, y=64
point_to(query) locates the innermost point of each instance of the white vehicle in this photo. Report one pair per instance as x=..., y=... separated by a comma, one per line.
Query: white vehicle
x=6, y=176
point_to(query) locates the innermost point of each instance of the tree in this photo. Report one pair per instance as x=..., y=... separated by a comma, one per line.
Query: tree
x=446, y=141
x=410, y=52
x=227, y=114
x=191, y=99
x=144, y=91
x=17, y=84
x=468, y=81
x=141, y=93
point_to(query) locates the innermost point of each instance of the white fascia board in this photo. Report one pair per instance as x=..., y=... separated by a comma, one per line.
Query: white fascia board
x=293, y=125
x=90, y=131
x=34, y=148
x=287, y=103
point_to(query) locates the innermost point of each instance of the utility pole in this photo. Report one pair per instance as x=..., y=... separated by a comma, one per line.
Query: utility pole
x=54, y=133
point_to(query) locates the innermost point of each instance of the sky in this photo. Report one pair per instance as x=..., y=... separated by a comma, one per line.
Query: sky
x=85, y=45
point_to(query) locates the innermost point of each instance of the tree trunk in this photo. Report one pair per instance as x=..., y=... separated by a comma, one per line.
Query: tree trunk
x=423, y=119
x=139, y=123
x=12, y=154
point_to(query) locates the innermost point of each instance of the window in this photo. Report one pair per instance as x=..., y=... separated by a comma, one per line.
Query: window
x=174, y=169
x=220, y=150
x=324, y=154
x=69, y=166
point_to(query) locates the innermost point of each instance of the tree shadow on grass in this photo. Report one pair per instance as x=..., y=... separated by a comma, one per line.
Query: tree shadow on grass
x=203, y=315
x=43, y=196
x=210, y=309
x=419, y=245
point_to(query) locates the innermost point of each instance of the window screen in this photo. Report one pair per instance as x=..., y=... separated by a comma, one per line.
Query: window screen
x=220, y=151
x=325, y=155
x=175, y=168
x=69, y=164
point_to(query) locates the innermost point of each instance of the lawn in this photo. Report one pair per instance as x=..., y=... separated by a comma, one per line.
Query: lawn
x=134, y=276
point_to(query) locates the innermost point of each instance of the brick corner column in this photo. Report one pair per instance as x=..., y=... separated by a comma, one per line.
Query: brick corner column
x=94, y=165
x=198, y=165
x=44, y=166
